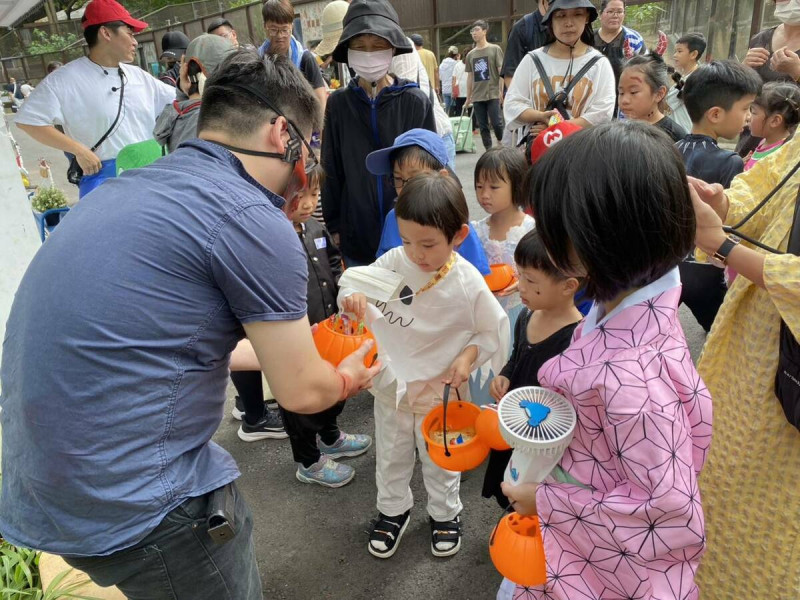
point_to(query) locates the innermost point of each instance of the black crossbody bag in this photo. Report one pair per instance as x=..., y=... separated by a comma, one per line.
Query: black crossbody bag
x=74, y=171
x=787, y=377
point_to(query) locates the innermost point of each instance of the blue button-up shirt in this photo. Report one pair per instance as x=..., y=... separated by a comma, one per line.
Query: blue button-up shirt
x=116, y=356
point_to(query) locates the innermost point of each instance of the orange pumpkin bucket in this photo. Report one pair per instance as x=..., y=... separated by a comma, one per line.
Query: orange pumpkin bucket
x=500, y=278
x=450, y=436
x=337, y=338
x=487, y=426
x=517, y=550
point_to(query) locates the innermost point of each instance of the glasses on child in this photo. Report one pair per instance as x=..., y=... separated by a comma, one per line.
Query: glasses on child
x=279, y=31
x=397, y=183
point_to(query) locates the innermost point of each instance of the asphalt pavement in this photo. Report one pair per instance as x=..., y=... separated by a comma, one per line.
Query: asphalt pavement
x=311, y=542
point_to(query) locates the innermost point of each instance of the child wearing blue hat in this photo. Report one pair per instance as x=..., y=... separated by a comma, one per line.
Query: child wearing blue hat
x=414, y=152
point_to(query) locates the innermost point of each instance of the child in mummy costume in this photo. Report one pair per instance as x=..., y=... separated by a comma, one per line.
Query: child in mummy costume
x=444, y=324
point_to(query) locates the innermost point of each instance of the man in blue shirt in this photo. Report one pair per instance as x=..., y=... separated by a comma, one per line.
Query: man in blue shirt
x=119, y=340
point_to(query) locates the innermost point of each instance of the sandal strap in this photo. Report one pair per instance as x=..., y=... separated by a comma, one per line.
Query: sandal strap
x=384, y=529
x=445, y=531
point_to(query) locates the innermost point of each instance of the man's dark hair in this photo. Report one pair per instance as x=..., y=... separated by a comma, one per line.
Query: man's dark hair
x=53, y=65
x=531, y=254
x=694, y=42
x=91, y=33
x=228, y=108
x=434, y=200
x=629, y=221
x=280, y=12
x=217, y=23
x=719, y=83
x=480, y=23
x=415, y=155
x=504, y=164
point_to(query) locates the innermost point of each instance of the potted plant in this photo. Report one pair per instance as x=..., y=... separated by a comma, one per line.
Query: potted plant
x=49, y=198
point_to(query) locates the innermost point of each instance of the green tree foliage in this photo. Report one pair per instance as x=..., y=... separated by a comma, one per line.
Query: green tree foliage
x=44, y=42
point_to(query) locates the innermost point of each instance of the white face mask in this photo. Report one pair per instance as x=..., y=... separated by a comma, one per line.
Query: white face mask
x=372, y=66
x=788, y=12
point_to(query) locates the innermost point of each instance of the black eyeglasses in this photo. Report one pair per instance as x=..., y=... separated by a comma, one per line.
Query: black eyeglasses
x=397, y=182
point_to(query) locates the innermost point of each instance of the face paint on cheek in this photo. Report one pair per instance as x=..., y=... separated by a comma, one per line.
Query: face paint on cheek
x=297, y=180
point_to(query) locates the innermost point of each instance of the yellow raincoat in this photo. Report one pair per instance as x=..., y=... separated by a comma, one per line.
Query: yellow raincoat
x=750, y=485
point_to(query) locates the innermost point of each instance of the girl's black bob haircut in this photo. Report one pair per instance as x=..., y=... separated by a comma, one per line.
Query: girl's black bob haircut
x=531, y=254
x=504, y=164
x=616, y=195
x=434, y=200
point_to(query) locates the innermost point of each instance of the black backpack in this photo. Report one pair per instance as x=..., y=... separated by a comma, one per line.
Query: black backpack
x=787, y=377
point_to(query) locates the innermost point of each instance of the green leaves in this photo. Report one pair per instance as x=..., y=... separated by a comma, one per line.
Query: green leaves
x=48, y=198
x=19, y=578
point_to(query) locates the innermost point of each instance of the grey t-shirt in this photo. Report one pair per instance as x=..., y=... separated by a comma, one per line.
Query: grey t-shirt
x=485, y=65
x=116, y=356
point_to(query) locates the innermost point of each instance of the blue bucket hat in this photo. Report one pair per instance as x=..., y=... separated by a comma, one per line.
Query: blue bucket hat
x=380, y=163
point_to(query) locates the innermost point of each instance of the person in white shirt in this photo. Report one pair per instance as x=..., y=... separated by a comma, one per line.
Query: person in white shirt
x=591, y=99
x=446, y=76
x=459, y=85
x=86, y=95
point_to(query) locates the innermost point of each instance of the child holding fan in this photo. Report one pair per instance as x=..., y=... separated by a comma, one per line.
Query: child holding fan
x=624, y=518
x=445, y=324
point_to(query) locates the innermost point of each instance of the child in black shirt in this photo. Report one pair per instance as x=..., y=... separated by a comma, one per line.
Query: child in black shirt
x=542, y=332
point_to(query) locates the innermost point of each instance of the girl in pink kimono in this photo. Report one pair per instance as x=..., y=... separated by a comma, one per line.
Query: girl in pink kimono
x=622, y=517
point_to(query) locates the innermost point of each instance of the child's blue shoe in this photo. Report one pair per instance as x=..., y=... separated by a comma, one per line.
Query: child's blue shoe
x=348, y=445
x=326, y=472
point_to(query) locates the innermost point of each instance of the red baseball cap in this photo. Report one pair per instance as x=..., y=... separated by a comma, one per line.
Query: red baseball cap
x=551, y=135
x=99, y=12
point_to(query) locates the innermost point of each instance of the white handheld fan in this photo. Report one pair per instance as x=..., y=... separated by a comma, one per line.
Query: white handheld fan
x=538, y=424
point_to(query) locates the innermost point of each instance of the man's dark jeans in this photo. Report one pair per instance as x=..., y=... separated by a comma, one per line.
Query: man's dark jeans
x=178, y=560
x=485, y=112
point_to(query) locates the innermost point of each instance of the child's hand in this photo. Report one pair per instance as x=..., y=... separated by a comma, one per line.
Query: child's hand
x=499, y=387
x=512, y=289
x=356, y=304
x=459, y=370
x=522, y=497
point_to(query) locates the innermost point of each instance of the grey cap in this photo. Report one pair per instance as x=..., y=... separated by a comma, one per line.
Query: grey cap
x=208, y=51
x=566, y=4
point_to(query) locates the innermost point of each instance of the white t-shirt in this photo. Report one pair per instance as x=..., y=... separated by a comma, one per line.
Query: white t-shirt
x=79, y=97
x=409, y=66
x=446, y=74
x=460, y=73
x=26, y=89
x=592, y=98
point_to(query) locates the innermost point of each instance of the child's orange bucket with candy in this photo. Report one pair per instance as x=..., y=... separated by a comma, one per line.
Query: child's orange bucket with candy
x=487, y=426
x=338, y=337
x=500, y=278
x=517, y=550
x=450, y=436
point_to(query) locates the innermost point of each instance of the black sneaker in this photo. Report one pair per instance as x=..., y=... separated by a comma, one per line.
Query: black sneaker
x=270, y=426
x=237, y=412
x=445, y=536
x=386, y=533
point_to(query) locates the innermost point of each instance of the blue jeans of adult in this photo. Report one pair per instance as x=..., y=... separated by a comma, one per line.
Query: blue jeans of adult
x=90, y=182
x=448, y=102
x=179, y=561
x=485, y=111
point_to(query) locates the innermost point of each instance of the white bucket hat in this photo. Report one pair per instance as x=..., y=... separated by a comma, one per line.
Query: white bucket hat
x=332, y=17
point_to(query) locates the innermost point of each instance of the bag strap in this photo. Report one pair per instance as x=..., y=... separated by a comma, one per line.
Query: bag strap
x=548, y=87
x=582, y=73
x=794, y=235
x=119, y=110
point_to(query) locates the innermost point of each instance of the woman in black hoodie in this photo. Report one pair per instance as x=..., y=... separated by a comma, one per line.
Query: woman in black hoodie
x=366, y=116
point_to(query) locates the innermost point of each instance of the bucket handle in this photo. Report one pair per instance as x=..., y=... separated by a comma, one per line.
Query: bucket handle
x=445, y=398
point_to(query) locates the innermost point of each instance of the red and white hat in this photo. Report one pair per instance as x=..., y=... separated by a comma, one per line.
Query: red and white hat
x=99, y=12
x=550, y=136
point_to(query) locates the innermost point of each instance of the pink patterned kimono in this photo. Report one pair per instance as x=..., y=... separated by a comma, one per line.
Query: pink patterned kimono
x=635, y=529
